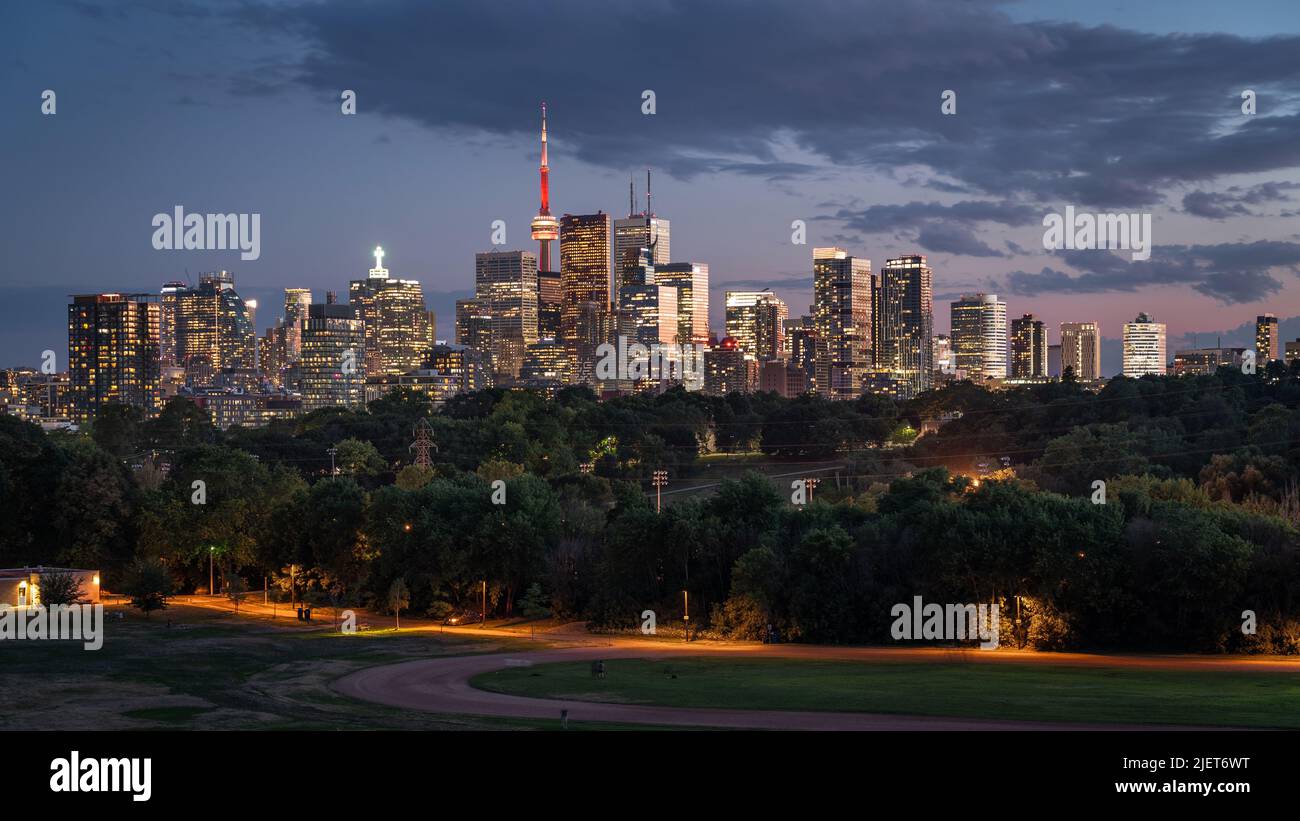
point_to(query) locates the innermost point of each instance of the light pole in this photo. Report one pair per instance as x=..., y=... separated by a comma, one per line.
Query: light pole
x=810, y=483
x=659, y=480
x=686, y=597
x=332, y=451
x=483, y=622
x=212, y=589
x=586, y=467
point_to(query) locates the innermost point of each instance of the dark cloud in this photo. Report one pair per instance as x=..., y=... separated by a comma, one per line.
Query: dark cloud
x=1232, y=201
x=951, y=238
x=1229, y=272
x=1046, y=111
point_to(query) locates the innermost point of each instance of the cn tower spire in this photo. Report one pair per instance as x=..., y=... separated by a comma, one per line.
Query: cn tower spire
x=545, y=227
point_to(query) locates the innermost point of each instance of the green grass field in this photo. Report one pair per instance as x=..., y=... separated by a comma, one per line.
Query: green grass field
x=213, y=672
x=1002, y=691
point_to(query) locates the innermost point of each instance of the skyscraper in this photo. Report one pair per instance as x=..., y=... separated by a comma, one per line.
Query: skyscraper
x=647, y=310
x=637, y=231
x=394, y=321
x=506, y=283
x=214, y=330
x=167, y=351
x=1144, y=347
x=691, y=279
x=113, y=352
x=842, y=287
x=550, y=298
x=1266, y=339
x=904, y=320
x=756, y=320
x=1081, y=349
x=333, y=357
x=584, y=272
x=979, y=336
x=296, y=303
x=545, y=227
x=1028, y=348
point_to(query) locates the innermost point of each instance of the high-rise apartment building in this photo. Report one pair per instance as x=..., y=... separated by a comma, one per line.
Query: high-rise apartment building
x=1028, y=348
x=1266, y=339
x=333, y=357
x=903, y=317
x=1144, y=347
x=113, y=352
x=214, y=328
x=979, y=336
x=756, y=320
x=1081, y=349
x=842, y=292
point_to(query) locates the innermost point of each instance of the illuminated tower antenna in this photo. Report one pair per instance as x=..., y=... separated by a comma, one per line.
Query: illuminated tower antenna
x=546, y=228
x=649, y=210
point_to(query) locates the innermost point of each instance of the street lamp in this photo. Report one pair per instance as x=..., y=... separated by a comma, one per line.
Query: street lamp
x=332, y=451
x=659, y=480
x=212, y=589
x=686, y=598
x=586, y=467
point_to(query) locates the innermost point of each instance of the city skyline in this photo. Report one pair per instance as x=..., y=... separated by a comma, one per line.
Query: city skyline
x=1224, y=244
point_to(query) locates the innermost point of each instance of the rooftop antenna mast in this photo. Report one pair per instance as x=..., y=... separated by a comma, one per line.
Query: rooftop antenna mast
x=649, y=211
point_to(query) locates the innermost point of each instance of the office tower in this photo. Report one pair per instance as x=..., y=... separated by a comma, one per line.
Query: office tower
x=728, y=369
x=1054, y=361
x=214, y=330
x=637, y=231
x=545, y=227
x=1205, y=361
x=393, y=318
x=801, y=345
x=271, y=348
x=296, y=303
x=113, y=354
x=647, y=310
x=333, y=357
x=1266, y=339
x=468, y=364
x=1144, y=347
x=505, y=283
x=1028, y=348
x=550, y=296
x=167, y=350
x=691, y=279
x=903, y=316
x=979, y=336
x=944, y=361
x=756, y=320
x=1081, y=349
x=474, y=325
x=585, y=272
x=544, y=361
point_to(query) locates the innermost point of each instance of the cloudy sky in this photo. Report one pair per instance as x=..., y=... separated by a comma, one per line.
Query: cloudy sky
x=767, y=111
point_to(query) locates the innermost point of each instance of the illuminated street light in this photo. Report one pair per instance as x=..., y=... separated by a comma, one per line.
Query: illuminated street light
x=332, y=452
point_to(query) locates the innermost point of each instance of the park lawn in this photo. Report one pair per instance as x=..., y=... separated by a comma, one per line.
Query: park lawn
x=217, y=672
x=995, y=691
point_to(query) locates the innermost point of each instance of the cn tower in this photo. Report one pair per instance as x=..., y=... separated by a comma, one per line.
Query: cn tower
x=545, y=226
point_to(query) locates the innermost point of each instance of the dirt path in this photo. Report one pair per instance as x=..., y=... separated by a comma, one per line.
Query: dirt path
x=442, y=686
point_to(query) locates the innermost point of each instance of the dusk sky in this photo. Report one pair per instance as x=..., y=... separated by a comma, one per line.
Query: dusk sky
x=767, y=112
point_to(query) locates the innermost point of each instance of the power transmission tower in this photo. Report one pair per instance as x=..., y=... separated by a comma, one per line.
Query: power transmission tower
x=423, y=444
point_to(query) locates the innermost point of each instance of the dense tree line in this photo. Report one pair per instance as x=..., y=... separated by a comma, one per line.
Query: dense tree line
x=1196, y=522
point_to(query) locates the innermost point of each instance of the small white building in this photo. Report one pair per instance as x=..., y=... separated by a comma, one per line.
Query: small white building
x=21, y=586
